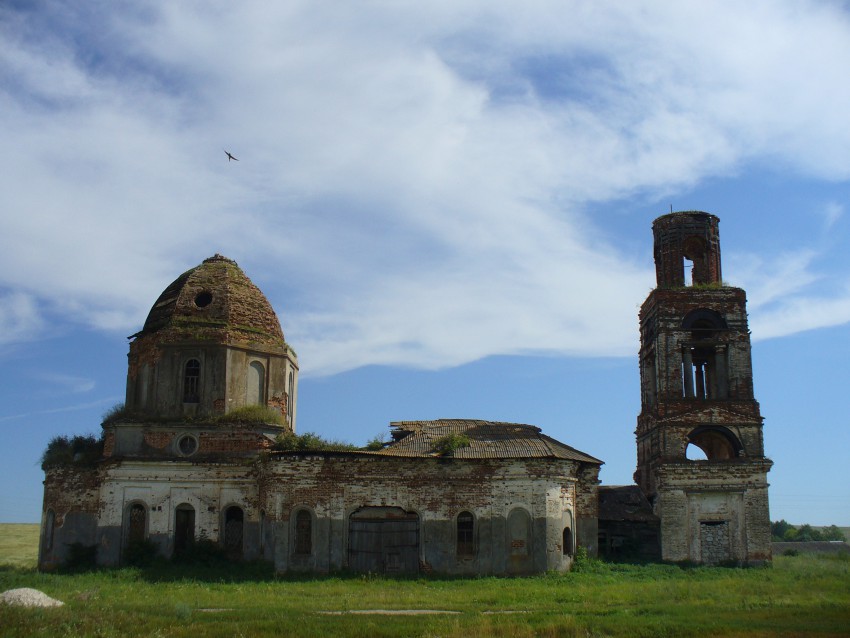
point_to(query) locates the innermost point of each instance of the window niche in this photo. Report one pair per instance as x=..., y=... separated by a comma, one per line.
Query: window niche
x=303, y=533
x=465, y=535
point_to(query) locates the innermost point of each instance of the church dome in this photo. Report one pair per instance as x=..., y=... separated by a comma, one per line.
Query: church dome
x=214, y=301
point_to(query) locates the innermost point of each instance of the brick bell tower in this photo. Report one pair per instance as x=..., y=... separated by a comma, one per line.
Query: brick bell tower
x=697, y=401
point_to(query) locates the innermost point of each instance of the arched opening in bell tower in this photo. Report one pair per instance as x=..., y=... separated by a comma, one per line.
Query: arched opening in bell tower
x=712, y=443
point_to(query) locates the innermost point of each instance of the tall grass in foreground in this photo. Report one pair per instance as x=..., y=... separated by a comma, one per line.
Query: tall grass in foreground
x=802, y=595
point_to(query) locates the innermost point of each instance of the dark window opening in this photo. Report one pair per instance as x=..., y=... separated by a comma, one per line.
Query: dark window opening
x=184, y=528
x=233, y=529
x=191, y=380
x=203, y=299
x=303, y=533
x=568, y=542
x=465, y=535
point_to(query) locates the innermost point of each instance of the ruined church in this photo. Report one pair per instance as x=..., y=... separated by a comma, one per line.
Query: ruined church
x=453, y=496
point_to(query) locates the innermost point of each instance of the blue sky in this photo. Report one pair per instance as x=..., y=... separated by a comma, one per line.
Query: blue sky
x=449, y=204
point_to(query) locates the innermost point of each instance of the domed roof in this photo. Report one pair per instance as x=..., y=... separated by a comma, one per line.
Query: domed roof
x=214, y=301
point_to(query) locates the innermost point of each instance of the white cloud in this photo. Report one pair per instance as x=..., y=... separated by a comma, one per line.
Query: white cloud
x=20, y=319
x=412, y=178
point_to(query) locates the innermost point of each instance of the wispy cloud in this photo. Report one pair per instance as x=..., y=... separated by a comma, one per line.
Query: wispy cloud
x=69, y=383
x=66, y=408
x=414, y=179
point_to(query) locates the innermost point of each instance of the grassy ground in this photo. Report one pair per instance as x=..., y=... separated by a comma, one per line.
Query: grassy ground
x=801, y=595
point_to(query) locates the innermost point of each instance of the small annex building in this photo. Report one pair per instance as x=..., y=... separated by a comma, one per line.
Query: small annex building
x=212, y=390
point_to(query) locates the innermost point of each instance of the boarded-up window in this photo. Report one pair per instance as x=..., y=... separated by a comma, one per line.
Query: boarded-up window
x=303, y=533
x=465, y=529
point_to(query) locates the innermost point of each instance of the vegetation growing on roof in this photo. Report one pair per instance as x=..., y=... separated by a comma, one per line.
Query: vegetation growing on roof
x=376, y=443
x=251, y=414
x=247, y=415
x=310, y=442
x=118, y=413
x=80, y=451
x=447, y=445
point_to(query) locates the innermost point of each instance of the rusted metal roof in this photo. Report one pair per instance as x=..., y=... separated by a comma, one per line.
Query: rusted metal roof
x=486, y=440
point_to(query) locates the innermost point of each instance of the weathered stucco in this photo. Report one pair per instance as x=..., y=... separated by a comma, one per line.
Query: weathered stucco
x=505, y=499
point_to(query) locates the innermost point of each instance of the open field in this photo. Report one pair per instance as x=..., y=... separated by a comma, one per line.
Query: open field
x=802, y=595
x=19, y=544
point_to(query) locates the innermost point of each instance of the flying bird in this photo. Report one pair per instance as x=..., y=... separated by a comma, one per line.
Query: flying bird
x=229, y=156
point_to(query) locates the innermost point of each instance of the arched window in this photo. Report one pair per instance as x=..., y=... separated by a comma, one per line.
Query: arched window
x=136, y=523
x=256, y=384
x=191, y=379
x=465, y=534
x=49, y=529
x=303, y=533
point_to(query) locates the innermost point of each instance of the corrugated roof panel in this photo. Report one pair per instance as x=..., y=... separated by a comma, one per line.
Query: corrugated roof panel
x=488, y=439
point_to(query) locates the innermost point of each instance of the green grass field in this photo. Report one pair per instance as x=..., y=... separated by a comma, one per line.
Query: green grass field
x=801, y=595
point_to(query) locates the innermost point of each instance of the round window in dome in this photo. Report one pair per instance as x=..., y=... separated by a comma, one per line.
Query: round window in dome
x=203, y=299
x=187, y=444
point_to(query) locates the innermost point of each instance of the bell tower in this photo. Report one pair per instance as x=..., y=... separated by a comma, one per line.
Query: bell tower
x=700, y=443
